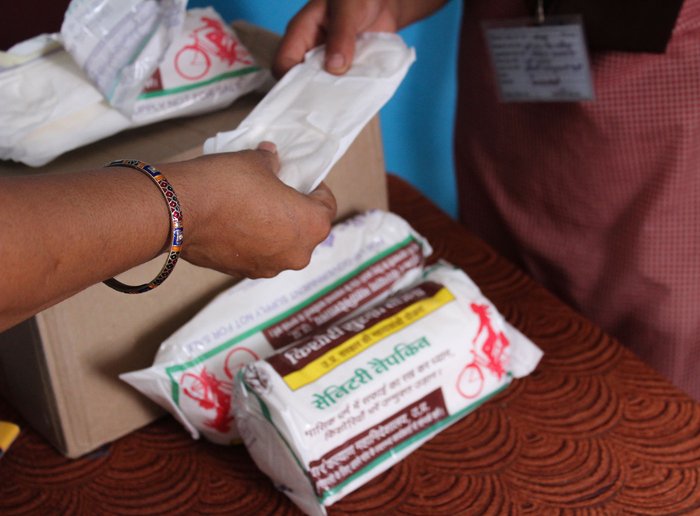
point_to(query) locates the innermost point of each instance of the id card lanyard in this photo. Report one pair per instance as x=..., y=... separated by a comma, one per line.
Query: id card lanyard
x=540, y=59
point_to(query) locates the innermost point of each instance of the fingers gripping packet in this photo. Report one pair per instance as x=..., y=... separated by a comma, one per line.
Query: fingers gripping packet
x=361, y=262
x=328, y=413
x=313, y=116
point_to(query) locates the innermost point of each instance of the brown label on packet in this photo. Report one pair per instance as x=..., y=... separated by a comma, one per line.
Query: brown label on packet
x=309, y=349
x=345, y=297
x=394, y=431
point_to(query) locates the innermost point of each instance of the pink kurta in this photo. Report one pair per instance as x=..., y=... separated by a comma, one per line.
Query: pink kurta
x=599, y=201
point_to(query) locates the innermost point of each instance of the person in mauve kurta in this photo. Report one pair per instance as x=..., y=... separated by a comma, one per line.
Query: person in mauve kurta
x=598, y=200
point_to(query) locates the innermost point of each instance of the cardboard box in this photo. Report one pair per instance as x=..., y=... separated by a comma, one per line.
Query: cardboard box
x=60, y=369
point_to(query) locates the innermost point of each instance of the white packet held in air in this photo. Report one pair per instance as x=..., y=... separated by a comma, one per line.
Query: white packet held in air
x=335, y=409
x=313, y=116
x=362, y=261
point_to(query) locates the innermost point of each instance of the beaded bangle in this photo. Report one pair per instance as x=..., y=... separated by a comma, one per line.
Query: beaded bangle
x=176, y=228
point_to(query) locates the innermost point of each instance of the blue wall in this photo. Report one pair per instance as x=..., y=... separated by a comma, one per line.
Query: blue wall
x=417, y=122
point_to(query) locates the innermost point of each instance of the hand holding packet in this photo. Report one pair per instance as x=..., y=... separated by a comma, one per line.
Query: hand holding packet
x=313, y=116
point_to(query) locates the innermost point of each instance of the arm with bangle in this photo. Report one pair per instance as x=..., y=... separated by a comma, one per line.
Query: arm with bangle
x=63, y=233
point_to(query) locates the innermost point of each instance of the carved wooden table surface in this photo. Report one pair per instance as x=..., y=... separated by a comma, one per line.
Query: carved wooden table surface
x=591, y=431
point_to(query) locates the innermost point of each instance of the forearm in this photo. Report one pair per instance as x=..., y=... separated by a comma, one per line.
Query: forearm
x=61, y=234
x=411, y=11
x=64, y=233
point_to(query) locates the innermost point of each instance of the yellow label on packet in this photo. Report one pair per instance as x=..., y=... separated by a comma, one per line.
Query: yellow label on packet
x=366, y=339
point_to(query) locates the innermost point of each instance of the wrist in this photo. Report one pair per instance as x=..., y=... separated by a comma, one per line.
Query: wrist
x=193, y=199
x=175, y=224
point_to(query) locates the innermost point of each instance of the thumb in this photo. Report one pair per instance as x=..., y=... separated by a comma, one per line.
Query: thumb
x=344, y=24
x=270, y=155
x=325, y=200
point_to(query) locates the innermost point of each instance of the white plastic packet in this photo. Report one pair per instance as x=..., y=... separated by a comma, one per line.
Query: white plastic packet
x=48, y=105
x=361, y=262
x=335, y=409
x=206, y=67
x=313, y=116
x=29, y=50
x=120, y=44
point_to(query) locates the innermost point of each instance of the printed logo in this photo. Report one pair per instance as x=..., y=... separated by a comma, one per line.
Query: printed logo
x=193, y=61
x=489, y=357
x=213, y=393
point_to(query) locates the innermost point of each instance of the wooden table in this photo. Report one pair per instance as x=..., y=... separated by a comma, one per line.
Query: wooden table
x=592, y=431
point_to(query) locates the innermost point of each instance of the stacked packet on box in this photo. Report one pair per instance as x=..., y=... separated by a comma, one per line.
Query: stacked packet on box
x=333, y=410
x=362, y=261
x=49, y=104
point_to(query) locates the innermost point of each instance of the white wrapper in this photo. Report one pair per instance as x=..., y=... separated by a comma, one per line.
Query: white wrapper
x=328, y=413
x=49, y=106
x=120, y=44
x=313, y=116
x=362, y=261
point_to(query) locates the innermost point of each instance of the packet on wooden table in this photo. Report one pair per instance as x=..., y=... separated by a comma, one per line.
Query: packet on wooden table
x=362, y=261
x=333, y=410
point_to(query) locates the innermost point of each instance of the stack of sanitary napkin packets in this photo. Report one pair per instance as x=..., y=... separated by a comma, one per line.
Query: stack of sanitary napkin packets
x=332, y=374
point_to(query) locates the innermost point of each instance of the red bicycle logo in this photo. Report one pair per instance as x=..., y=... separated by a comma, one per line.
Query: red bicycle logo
x=212, y=393
x=193, y=61
x=470, y=382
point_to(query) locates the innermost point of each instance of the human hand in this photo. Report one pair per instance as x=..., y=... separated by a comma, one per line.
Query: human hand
x=337, y=24
x=239, y=218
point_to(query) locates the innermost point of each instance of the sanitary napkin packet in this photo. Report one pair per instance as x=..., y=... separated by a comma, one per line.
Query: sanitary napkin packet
x=328, y=413
x=49, y=105
x=313, y=116
x=363, y=260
